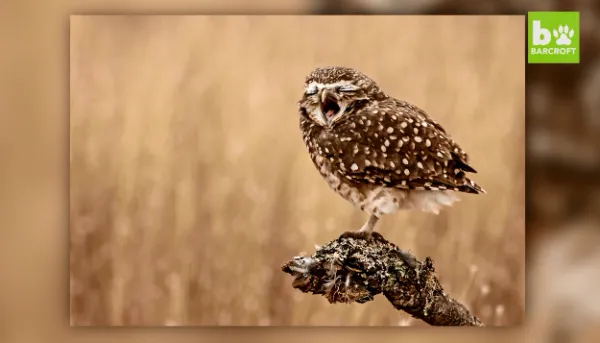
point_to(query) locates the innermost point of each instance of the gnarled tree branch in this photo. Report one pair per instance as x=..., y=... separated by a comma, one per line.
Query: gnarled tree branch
x=353, y=269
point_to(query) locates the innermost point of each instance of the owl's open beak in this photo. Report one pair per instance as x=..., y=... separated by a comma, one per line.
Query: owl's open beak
x=329, y=105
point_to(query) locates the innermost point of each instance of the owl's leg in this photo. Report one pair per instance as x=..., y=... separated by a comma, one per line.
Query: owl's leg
x=369, y=226
x=366, y=232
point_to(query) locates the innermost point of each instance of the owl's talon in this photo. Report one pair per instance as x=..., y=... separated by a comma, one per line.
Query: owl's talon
x=364, y=235
x=377, y=236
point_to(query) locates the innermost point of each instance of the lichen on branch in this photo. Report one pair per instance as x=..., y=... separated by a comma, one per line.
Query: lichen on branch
x=356, y=269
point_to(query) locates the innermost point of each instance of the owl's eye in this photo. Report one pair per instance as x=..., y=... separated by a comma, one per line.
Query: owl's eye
x=347, y=89
x=311, y=91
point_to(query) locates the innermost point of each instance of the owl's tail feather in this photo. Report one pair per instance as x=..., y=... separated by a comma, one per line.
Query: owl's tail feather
x=469, y=186
x=461, y=163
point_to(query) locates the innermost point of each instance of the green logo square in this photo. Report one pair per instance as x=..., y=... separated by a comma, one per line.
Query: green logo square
x=553, y=37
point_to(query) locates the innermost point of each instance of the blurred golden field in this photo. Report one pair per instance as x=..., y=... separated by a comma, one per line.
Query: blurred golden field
x=190, y=184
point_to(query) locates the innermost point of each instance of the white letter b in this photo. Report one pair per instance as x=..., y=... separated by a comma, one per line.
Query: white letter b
x=539, y=31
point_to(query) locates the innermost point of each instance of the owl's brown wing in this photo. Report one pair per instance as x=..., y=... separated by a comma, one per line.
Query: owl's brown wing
x=399, y=145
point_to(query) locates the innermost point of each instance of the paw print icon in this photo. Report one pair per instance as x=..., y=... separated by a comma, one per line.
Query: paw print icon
x=563, y=35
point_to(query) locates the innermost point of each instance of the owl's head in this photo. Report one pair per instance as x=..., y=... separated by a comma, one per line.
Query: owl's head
x=333, y=93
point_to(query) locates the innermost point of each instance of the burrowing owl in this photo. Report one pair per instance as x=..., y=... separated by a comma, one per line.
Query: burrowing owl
x=379, y=153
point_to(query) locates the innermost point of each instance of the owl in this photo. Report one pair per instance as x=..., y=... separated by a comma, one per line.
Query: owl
x=379, y=153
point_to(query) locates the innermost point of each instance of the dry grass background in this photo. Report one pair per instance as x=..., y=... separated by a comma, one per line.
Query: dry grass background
x=190, y=185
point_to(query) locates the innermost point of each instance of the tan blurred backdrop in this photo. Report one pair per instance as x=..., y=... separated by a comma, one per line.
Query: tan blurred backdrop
x=190, y=185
